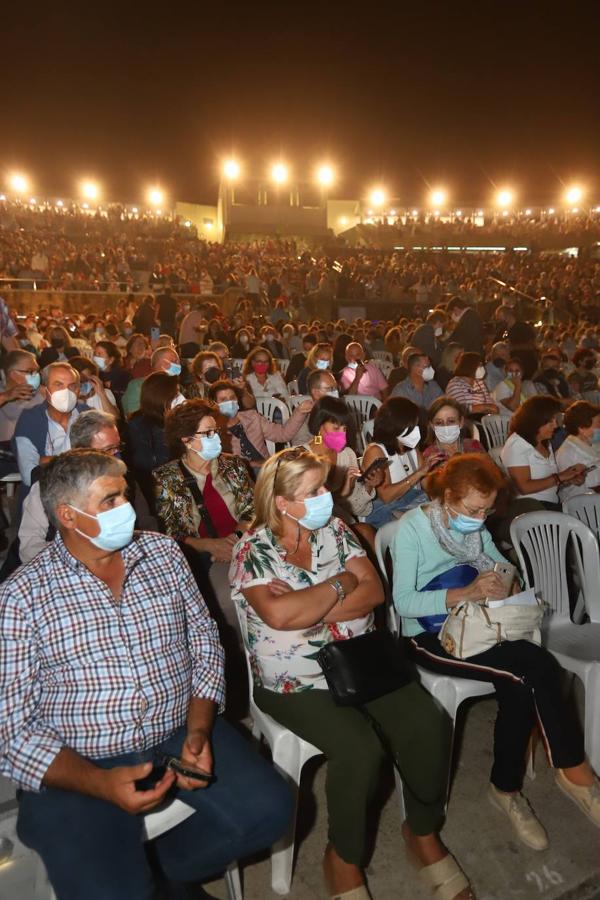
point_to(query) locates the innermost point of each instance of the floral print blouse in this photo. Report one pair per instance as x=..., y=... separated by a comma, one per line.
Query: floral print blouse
x=285, y=661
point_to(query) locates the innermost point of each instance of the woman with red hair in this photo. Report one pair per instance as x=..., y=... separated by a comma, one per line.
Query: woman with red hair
x=442, y=555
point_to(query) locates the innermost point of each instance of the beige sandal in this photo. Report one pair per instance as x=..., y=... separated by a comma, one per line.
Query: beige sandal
x=358, y=893
x=445, y=879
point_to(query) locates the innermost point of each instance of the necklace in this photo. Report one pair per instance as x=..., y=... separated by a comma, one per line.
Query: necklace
x=295, y=550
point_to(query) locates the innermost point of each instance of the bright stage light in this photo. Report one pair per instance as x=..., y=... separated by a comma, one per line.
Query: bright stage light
x=19, y=183
x=415, y=213
x=155, y=196
x=551, y=211
x=393, y=212
x=459, y=212
x=527, y=212
x=231, y=169
x=325, y=176
x=504, y=198
x=343, y=220
x=90, y=190
x=574, y=194
x=60, y=204
x=279, y=173
x=438, y=197
x=32, y=201
x=377, y=197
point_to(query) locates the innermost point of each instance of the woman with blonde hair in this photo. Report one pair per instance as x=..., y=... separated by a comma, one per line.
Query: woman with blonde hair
x=320, y=357
x=301, y=580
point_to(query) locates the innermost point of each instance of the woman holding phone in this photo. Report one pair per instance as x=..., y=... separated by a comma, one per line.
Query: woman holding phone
x=582, y=423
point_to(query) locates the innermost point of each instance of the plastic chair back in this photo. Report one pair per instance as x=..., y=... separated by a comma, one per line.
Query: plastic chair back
x=496, y=429
x=495, y=453
x=282, y=365
x=383, y=354
x=266, y=407
x=384, y=366
x=293, y=386
x=542, y=540
x=367, y=432
x=383, y=541
x=296, y=399
x=361, y=409
x=586, y=508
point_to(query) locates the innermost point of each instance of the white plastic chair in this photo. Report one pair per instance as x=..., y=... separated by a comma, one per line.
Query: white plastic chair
x=542, y=541
x=11, y=481
x=449, y=692
x=382, y=354
x=362, y=410
x=293, y=386
x=282, y=365
x=367, y=432
x=266, y=407
x=384, y=366
x=586, y=508
x=495, y=453
x=238, y=363
x=496, y=429
x=296, y=399
x=289, y=753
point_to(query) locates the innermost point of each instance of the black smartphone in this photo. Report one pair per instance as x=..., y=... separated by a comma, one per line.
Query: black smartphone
x=380, y=463
x=181, y=768
x=151, y=780
x=590, y=468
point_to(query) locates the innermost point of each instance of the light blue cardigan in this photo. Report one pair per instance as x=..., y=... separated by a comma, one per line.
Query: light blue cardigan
x=417, y=558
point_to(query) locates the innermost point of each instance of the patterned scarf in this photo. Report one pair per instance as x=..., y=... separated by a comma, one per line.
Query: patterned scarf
x=467, y=551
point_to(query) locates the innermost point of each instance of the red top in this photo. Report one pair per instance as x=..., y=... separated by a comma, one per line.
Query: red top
x=221, y=518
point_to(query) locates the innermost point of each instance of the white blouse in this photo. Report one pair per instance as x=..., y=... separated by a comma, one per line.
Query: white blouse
x=273, y=385
x=519, y=452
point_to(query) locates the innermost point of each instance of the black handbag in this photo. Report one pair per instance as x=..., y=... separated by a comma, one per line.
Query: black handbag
x=364, y=668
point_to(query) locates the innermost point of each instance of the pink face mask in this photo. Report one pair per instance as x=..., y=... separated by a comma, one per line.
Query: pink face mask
x=335, y=440
x=261, y=368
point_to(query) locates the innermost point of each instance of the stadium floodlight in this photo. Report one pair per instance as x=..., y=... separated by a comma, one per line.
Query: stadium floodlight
x=155, y=196
x=377, y=197
x=527, y=212
x=90, y=190
x=19, y=183
x=415, y=213
x=60, y=204
x=459, y=212
x=393, y=212
x=279, y=173
x=438, y=197
x=505, y=198
x=343, y=220
x=551, y=211
x=231, y=169
x=32, y=201
x=325, y=175
x=574, y=194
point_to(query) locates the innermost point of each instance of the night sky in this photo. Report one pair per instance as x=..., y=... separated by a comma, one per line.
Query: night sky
x=468, y=95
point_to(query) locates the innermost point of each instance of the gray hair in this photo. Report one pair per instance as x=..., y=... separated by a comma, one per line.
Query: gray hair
x=157, y=356
x=47, y=371
x=67, y=478
x=85, y=428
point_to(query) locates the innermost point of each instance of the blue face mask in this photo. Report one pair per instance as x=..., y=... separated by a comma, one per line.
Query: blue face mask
x=318, y=511
x=211, y=447
x=229, y=408
x=464, y=524
x=33, y=379
x=86, y=388
x=116, y=527
x=174, y=369
x=595, y=435
x=322, y=364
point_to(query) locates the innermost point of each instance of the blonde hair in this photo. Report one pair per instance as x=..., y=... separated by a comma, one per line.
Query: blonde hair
x=311, y=359
x=279, y=477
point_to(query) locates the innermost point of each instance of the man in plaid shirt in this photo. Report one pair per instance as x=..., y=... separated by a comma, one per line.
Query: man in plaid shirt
x=109, y=658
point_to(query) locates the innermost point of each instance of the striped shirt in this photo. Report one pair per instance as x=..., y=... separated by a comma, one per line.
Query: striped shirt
x=468, y=393
x=79, y=669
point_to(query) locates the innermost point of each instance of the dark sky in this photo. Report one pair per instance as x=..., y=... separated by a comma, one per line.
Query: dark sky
x=461, y=94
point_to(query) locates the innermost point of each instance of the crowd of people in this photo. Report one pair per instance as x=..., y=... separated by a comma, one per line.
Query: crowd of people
x=195, y=486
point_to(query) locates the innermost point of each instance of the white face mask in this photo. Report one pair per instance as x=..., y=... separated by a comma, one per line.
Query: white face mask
x=428, y=373
x=411, y=439
x=438, y=331
x=479, y=373
x=334, y=393
x=353, y=365
x=63, y=401
x=447, y=434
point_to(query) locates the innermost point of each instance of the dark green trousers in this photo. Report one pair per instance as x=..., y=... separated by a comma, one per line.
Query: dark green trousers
x=418, y=733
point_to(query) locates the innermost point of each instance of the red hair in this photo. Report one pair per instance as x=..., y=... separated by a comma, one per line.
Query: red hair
x=462, y=472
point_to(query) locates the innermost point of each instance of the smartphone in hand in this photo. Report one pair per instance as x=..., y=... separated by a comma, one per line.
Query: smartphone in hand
x=380, y=463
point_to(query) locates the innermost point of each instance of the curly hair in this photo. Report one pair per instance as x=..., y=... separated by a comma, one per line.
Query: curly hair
x=182, y=422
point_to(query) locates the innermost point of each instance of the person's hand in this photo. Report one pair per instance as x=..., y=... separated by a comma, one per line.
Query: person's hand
x=572, y=474
x=98, y=385
x=221, y=548
x=434, y=460
x=306, y=406
x=375, y=479
x=18, y=392
x=352, y=473
x=278, y=588
x=119, y=788
x=196, y=753
x=488, y=584
x=359, y=371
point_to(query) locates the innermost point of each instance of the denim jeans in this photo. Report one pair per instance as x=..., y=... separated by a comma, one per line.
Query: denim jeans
x=94, y=850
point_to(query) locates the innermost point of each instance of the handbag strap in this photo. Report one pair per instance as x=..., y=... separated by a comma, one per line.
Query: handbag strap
x=191, y=483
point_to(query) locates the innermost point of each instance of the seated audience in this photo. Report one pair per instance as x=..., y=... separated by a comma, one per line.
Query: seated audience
x=83, y=784
x=447, y=433
x=512, y=391
x=321, y=358
x=301, y=580
x=107, y=357
x=298, y=359
x=320, y=383
x=22, y=382
x=137, y=356
x=360, y=377
x=248, y=430
x=42, y=431
x=430, y=544
x=468, y=386
x=92, y=390
x=262, y=376
x=145, y=434
x=584, y=361
x=419, y=385
x=164, y=359
x=582, y=445
x=549, y=379
x=495, y=369
x=396, y=435
x=449, y=358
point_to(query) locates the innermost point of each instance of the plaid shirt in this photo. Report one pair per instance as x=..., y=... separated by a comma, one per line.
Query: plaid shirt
x=81, y=670
x=7, y=326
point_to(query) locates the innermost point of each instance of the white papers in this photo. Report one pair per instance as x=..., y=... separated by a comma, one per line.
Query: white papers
x=166, y=817
x=524, y=598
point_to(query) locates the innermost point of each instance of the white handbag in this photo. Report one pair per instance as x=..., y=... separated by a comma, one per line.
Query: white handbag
x=472, y=628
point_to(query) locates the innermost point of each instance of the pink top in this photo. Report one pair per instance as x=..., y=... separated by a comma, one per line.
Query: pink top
x=371, y=384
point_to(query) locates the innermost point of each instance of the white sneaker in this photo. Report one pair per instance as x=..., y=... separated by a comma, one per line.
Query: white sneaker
x=521, y=816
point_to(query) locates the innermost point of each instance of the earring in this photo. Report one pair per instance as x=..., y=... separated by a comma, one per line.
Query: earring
x=318, y=439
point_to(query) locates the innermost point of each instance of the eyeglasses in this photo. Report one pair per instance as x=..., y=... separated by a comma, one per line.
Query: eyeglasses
x=476, y=513
x=288, y=456
x=27, y=371
x=210, y=433
x=114, y=449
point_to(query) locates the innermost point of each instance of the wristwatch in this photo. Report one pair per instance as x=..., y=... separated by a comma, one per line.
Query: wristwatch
x=338, y=587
